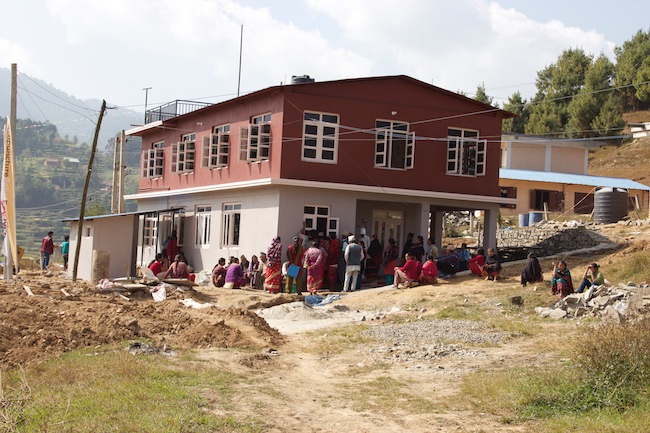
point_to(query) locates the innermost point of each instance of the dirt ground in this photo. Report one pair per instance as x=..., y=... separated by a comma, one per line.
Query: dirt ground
x=303, y=383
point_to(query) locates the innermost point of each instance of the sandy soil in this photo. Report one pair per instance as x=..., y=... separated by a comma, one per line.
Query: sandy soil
x=304, y=379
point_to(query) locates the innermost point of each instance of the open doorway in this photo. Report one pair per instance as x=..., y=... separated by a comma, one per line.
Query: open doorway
x=388, y=224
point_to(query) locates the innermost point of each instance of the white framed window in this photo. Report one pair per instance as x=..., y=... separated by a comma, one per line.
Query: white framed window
x=394, y=145
x=153, y=160
x=465, y=152
x=255, y=139
x=320, y=137
x=230, y=227
x=149, y=231
x=317, y=217
x=203, y=216
x=216, y=147
x=183, y=154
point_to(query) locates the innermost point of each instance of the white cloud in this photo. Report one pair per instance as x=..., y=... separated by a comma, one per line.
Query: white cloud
x=458, y=45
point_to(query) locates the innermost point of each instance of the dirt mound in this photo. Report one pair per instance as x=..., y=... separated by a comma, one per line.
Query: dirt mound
x=50, y=323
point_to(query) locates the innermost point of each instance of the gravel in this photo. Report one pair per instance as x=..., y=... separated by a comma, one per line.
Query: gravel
x=428, y=341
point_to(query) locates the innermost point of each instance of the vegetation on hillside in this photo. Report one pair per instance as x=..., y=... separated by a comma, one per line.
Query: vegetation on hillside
x=50, y=176
x=583, y=96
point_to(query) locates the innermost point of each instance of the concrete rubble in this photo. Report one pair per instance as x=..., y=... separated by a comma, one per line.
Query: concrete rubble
x=615, y=303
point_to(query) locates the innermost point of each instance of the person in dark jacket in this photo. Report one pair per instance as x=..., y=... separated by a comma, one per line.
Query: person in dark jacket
x=532, y=273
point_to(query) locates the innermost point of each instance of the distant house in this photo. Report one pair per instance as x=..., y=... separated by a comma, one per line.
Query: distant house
x=640, y=130
x=388, y=154
x=539, y=171
x=51, y=162
x=71, y=162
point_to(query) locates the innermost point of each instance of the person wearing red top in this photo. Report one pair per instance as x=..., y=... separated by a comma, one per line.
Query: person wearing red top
x=477, y=263
x=156, y=265
x=429, y=274
x=405, y=275
x=47, y=249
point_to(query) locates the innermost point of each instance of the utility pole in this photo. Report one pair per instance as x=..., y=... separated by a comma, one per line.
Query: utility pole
x=9, y=262
x=82, y=208
x=146, y=100
x=120, y=207
x=116, y=169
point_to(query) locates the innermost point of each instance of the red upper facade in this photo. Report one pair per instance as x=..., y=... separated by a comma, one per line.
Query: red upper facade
x=394, y=132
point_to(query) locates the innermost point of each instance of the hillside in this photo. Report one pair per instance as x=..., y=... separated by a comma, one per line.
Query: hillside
x=41, y=102
x=630, y=160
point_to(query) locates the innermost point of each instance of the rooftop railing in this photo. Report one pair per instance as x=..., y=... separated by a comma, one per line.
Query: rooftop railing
x=172, y=109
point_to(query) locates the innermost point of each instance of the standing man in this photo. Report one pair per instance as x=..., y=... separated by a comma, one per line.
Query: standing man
x=47, y=249
x=65, y=250
x=353, y=257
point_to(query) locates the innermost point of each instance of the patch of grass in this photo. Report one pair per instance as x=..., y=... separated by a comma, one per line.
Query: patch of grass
x=603, y=388
x=113, y=390
x=385, y=394
x=336, y=340
x=630, y=267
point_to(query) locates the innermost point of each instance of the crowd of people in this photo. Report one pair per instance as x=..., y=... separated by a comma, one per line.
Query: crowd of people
x=313, y=262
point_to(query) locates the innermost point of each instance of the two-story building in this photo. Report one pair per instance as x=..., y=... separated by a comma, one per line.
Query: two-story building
x=390, y=154
x=541, y=172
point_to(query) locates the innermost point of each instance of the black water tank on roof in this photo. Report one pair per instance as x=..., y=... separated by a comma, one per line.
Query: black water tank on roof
x=301, y=79
x=610, y=205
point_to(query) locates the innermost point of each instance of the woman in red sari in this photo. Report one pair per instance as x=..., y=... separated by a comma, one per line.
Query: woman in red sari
x=477, y=264
x=273, y=277
x=315, y=265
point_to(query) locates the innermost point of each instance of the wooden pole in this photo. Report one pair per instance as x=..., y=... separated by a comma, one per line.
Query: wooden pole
x=82, y=208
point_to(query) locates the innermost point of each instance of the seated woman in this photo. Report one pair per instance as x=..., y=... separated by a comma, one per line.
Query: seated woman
x=591, y=276
x=477, y=263
x=463, y=257
x=429, y=273
x=178, y=269
x=492, y=265
x=561, y=281
x=234, y=276
x=404, y=276
x=157, y=264
x=447, y=263
x=219, y=273
x=532, y=273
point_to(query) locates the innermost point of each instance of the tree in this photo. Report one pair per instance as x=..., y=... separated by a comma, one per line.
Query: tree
x=544, y=118
x=586, y=106
x=556, y=85
x=517, y=105
x=482, y=96
x=633, y=69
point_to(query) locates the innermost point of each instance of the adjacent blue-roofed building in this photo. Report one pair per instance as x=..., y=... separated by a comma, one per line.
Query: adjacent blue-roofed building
x=540, y=171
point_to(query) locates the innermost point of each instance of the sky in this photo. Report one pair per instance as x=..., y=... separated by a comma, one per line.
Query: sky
x=190, y=49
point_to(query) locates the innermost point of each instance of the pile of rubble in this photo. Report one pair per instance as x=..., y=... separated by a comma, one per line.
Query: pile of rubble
x=615, y=303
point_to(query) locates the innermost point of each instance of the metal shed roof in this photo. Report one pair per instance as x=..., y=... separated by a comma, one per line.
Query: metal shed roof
x=570, y=178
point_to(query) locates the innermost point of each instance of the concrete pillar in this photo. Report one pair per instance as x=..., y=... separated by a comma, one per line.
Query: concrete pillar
x=490, y=227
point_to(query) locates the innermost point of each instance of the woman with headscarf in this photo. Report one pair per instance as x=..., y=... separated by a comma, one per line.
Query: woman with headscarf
x=252, y=273
x=561, y=283
x=315, y=265
x=273, y=280
x=532, y=273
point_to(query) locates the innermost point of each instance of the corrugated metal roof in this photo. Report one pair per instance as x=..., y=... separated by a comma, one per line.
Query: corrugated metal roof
x=570, y=178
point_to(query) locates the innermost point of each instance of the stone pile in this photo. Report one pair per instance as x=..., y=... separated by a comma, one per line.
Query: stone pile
x=615, y=303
